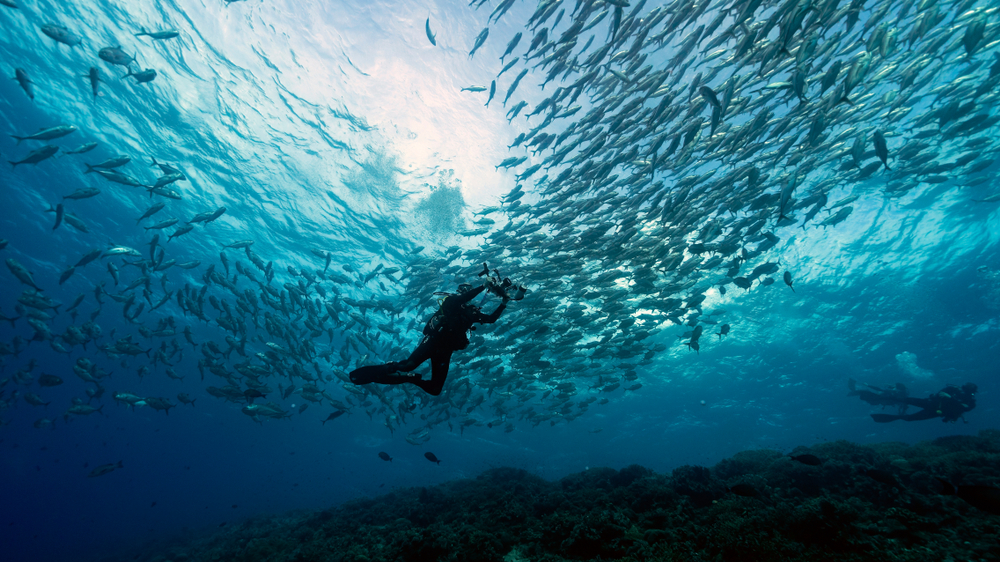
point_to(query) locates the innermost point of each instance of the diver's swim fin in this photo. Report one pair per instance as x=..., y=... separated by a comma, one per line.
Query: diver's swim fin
x=885, y=418
x=369, y=374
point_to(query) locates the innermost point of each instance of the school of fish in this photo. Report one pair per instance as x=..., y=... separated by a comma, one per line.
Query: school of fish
x=679, y=144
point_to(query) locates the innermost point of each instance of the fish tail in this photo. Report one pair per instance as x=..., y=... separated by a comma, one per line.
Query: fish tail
x=120, y=465
x=14, y=164
x=12, y=320
x=89, y=168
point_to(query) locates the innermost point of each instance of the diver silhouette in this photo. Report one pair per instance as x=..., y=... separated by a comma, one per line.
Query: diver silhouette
x=445, y=333
x=950, y=403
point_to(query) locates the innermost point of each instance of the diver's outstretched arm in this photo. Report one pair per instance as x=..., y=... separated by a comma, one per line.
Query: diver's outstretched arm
x=455, y=301
x=484, y=319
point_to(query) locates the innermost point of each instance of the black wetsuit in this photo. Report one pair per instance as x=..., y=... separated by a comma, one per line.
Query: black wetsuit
x=445, y=333
x=949, y=404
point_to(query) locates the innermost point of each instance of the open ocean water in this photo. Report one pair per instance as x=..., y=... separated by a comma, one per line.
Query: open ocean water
x=692, y=193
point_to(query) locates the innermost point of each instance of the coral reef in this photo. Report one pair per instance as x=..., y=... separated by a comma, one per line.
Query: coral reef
x=879, y=502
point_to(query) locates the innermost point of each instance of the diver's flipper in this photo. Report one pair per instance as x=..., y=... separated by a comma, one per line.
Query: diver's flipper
x=369, y=374
x=382, y=374
x=885, y=418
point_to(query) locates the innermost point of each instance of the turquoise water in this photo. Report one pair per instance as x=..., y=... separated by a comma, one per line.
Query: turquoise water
x=339, y=130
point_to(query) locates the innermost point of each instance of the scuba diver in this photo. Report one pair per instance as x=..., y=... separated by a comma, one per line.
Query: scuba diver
x=950, y=403
x=445, y=333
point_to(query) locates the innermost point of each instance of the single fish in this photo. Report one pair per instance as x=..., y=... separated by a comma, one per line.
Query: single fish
x=105, y=469
x=61, y=34
x=67, y=274
x=121, y=251
x=60, y=212
x=26, y=84
x=110, y=163
x=143, y=76
x=208, y=216
x=123, y=179
x=156, y=208
x=167, y=180
x=164, y=192
x=49, y=380
x=162, y=224
x=48, y=134
x=511, y=45
x=95, y=79
x=115, y=55
x=166, y=168
x=710, y=96
x=181, y=232
x=36, y=156
x=158, y=35
x=89, y=257
x=493, y=90
x=430, y=36
x=333, y=416
x=87, y=147
x=788, y=280
x=881, y=149
x=480, y=39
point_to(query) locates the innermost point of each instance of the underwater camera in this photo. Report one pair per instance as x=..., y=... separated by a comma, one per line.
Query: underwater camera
x=502, y=287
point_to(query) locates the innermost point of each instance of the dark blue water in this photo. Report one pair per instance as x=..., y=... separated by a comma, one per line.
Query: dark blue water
x=338, y=128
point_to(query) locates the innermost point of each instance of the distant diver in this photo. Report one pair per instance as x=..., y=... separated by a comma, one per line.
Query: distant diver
x=950, y=403
x=445, y=333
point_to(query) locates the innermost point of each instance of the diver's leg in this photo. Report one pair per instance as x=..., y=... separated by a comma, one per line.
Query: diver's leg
x=926, y=414
x=420, y=354
x=870, y=397
x=386, y=374
x=918, y=402
x=440, y=361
